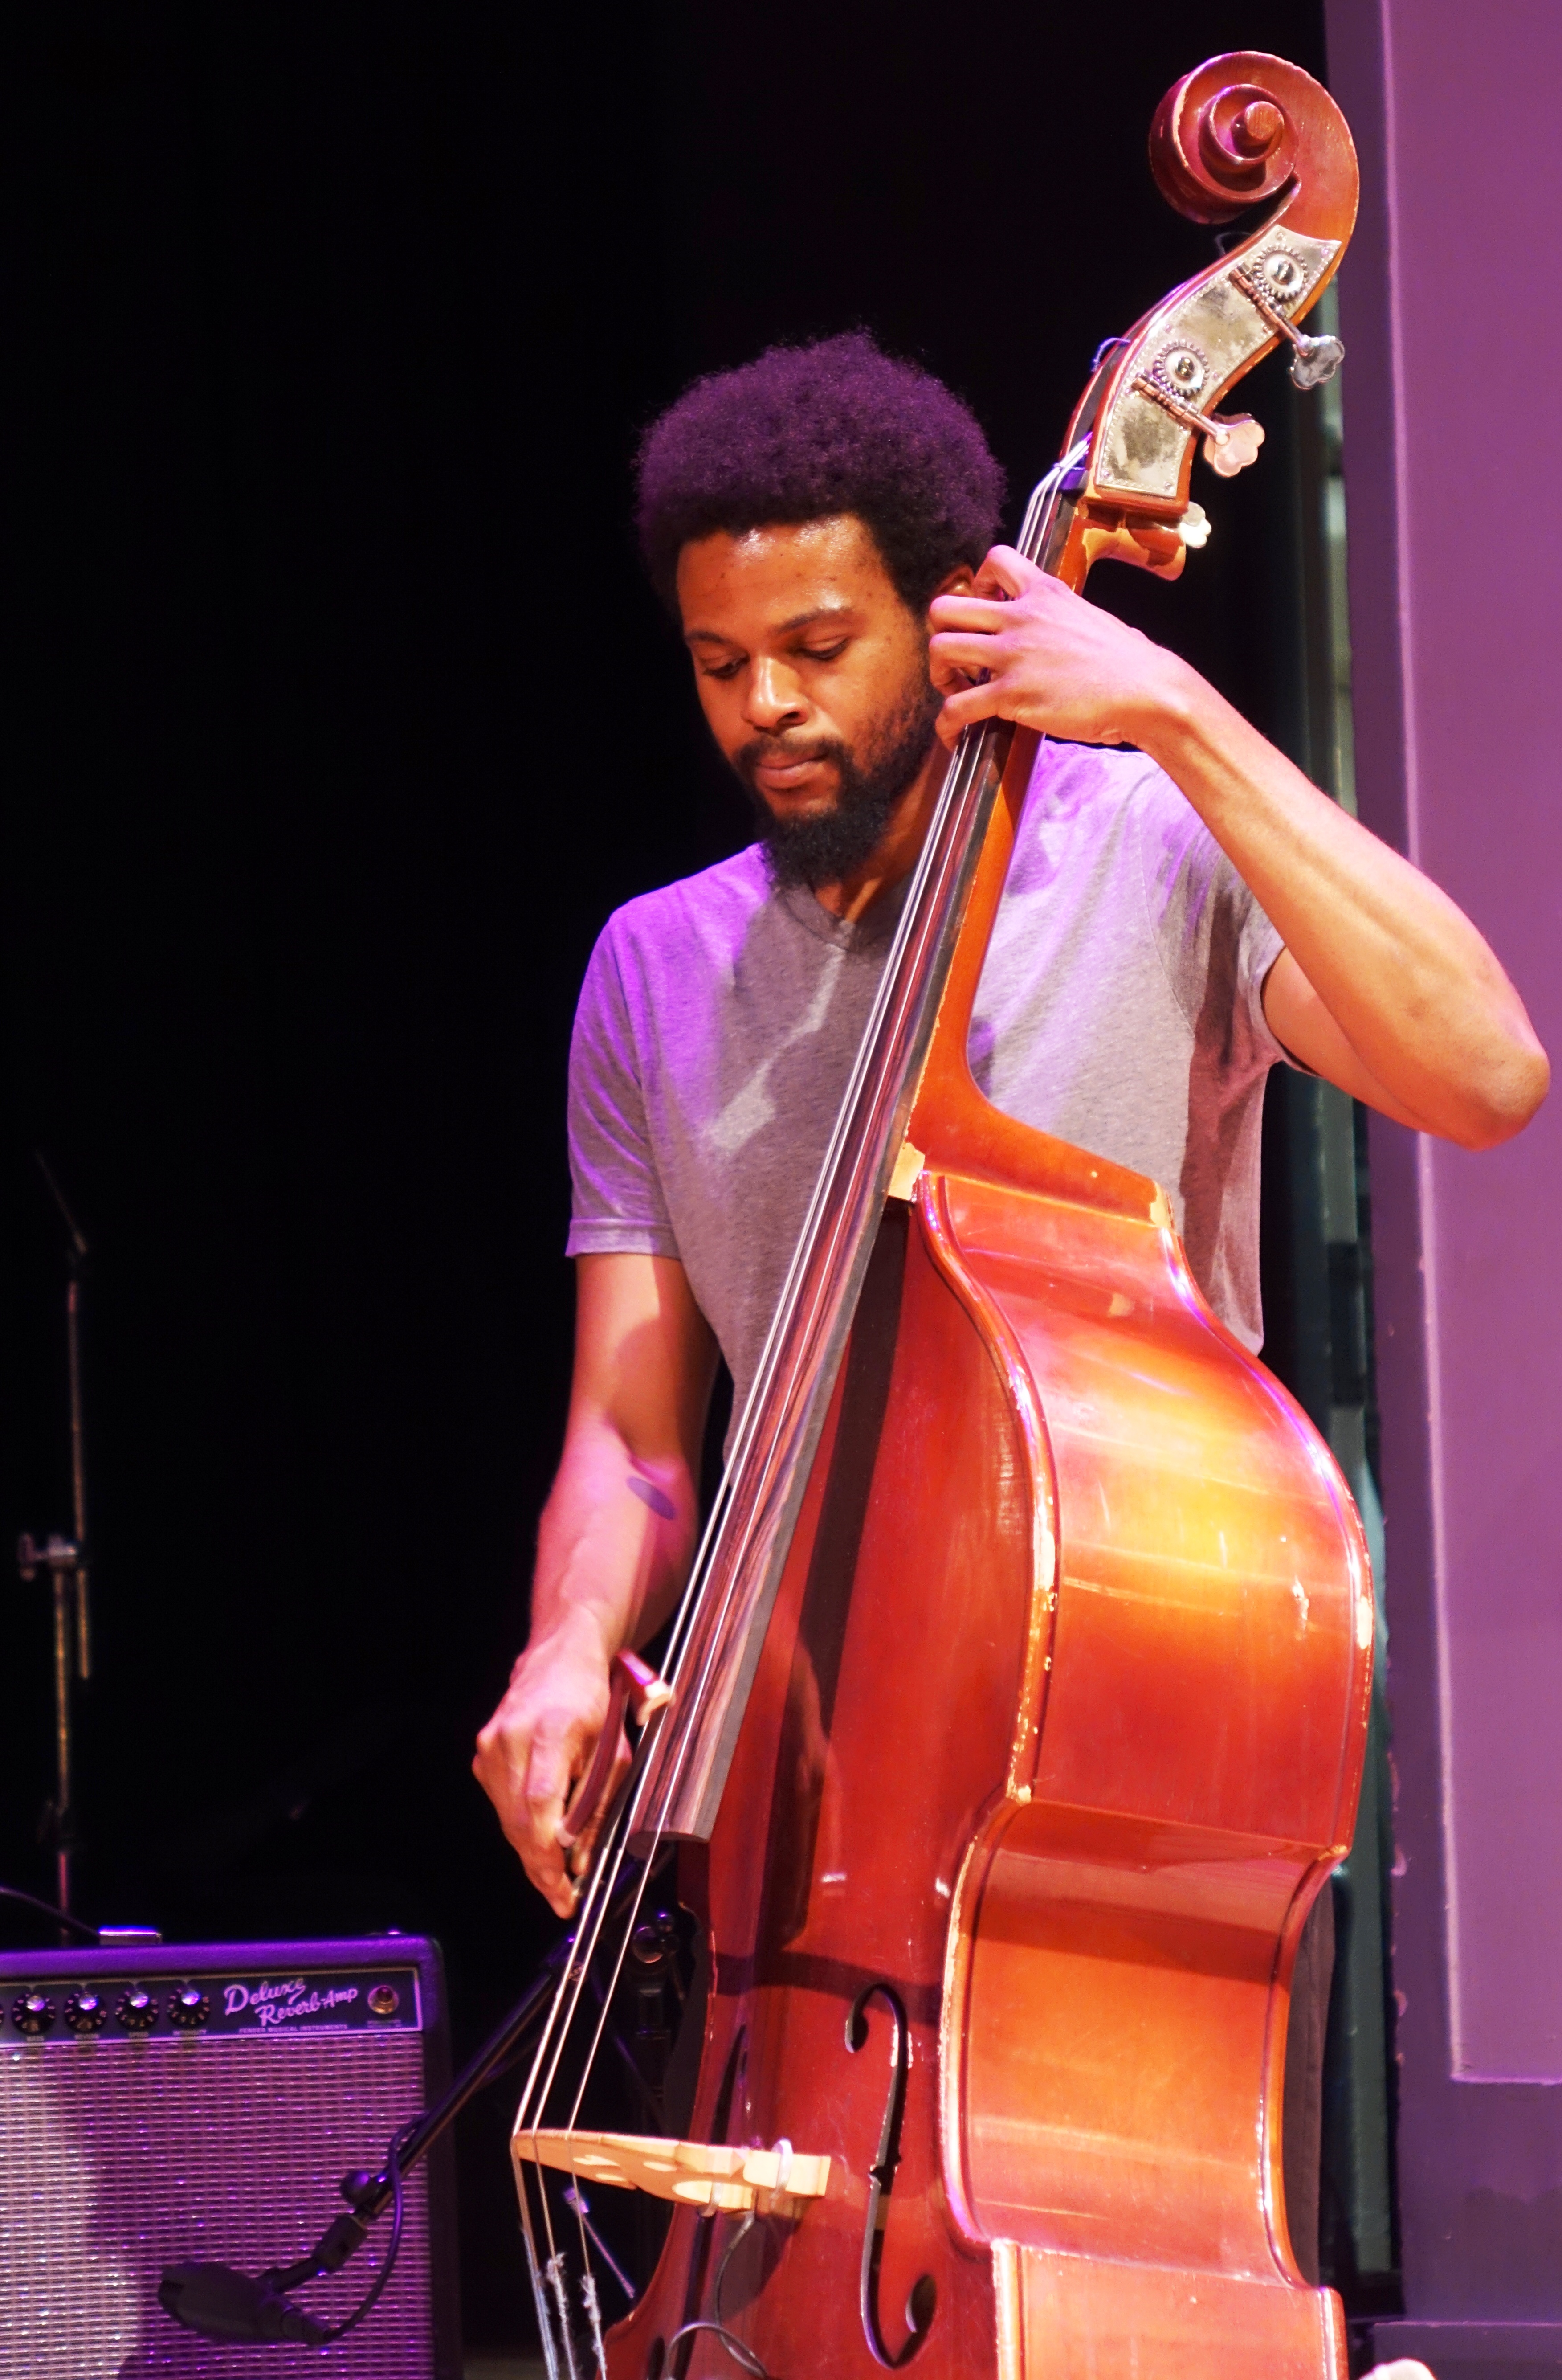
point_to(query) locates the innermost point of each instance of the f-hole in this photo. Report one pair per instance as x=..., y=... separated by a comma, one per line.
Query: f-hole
x=920, y=2304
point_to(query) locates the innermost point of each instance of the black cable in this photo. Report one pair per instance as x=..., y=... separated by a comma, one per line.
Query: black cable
x=78, y=1926
x=734, y=2244
x=729, y=2340
x=372, y=2294
x=739, y=2352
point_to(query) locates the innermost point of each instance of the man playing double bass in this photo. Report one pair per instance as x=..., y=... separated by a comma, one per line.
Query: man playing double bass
x=1184, y=910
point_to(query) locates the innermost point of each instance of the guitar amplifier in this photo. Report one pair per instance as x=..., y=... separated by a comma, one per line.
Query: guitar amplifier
x=201, y=2104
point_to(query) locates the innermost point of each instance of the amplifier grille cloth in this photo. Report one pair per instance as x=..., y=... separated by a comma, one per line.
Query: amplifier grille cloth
x=118, y=2158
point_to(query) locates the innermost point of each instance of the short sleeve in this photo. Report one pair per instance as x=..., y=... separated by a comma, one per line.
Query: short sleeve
x=1217, y=943
x=617, y=1207
x=1259, y=944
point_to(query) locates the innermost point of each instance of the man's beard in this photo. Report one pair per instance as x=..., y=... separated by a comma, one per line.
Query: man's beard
x=830, y=844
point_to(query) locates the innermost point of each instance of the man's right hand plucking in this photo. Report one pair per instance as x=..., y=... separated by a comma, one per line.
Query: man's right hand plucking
x=536, y=1747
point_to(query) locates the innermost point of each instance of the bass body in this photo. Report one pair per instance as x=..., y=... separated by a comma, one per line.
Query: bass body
x=1057, y=1730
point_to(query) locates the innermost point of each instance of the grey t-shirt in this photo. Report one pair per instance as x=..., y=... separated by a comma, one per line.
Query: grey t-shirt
x=1121, y=1008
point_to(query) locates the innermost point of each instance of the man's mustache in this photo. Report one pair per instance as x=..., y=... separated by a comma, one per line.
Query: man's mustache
x=785, y=751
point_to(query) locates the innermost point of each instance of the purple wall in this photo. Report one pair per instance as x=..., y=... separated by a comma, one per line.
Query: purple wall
x=1451, y=306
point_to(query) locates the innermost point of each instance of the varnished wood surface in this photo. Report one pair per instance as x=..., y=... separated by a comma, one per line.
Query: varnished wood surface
x=1055, y=1734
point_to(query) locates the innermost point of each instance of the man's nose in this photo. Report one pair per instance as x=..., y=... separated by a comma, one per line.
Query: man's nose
x=774, y=701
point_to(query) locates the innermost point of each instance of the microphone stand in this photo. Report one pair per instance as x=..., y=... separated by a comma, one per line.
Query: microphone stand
x=222, y=2303
x=65, y=1558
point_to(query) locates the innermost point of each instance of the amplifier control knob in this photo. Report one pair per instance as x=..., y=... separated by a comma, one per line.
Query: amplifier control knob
x=136, y=2010
x=85, y=2012
x=32, y=2013
x=189, y=2007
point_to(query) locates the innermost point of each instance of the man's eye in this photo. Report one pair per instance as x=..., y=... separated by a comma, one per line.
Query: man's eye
x=830, y=652
x=719, y=669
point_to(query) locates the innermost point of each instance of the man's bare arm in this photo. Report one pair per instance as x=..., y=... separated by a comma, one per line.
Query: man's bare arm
x=613, y=1549
x=1384, y=986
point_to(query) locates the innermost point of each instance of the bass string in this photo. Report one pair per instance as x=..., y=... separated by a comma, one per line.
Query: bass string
x=906, y=984
x=1039, y=513
x=1038, y=519
x=595, y=1909
x=556, y=2037
x=903, y=983
x=561, y=2024
x=544, y=2319
x=563, y=2015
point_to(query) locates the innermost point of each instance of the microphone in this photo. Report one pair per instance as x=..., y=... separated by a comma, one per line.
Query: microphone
x=220, y=2303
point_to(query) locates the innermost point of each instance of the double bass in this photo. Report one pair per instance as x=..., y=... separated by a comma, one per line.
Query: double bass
x=1016, y=1710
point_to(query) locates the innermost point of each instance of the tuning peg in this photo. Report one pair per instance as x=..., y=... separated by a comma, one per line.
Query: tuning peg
x=1229, y=444
x=1232, y=443
x=1312, y=360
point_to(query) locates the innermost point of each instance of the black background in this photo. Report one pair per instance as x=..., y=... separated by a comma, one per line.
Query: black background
x=339, y=719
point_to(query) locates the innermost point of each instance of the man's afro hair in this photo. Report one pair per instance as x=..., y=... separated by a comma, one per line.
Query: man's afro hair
x=804, y=432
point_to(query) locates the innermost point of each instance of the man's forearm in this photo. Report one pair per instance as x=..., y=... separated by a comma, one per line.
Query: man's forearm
x=614, y=1543
x=1407, y=979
